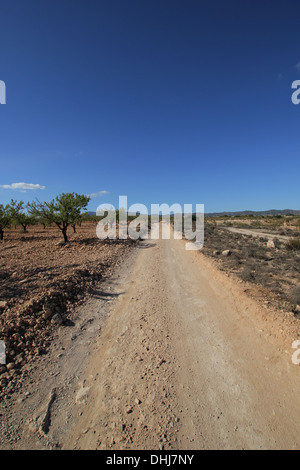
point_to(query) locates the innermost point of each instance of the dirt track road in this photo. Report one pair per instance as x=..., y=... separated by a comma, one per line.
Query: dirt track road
x=258, y=233
x=185, y=360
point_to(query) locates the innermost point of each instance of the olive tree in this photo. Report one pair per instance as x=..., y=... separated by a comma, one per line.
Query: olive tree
x=19, y=215
x=5, y=219
x=66, y=209
x=37, y=210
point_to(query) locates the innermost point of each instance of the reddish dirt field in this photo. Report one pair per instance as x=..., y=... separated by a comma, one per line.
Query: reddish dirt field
x=42, y=279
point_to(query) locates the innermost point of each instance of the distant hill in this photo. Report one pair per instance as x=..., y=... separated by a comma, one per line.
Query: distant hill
x=237, y=213
x=268, y=212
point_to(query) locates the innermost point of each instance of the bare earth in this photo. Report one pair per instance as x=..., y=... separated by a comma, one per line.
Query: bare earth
x=258, y=233
x=170, y=354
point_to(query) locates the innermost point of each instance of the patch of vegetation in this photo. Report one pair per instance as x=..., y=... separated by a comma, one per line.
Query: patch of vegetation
x=277, y=269
x=293, y=244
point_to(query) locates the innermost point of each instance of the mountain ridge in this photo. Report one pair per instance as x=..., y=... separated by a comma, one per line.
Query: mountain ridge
x=250, y=212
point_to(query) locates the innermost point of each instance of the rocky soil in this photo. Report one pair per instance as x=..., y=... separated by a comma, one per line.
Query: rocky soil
x=262, y=262
x=42, y=282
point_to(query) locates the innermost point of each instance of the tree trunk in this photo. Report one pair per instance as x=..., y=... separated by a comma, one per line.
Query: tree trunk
x=1, y=234
x=64, y=232
x=74, y=228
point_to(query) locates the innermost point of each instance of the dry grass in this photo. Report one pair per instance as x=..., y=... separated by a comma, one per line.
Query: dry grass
x=293, y=244
x=277, y=269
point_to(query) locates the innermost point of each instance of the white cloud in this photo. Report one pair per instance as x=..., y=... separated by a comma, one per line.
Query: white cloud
x=97, y=194
x=298, y=66
x=22, y=186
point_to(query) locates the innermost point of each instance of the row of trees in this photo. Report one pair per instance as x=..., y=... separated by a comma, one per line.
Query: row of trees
x=63, y=211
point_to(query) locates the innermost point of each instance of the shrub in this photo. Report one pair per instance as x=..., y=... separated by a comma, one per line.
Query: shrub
x=293, y=244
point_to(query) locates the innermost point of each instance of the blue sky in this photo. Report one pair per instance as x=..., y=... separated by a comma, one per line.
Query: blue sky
x=165, y=101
